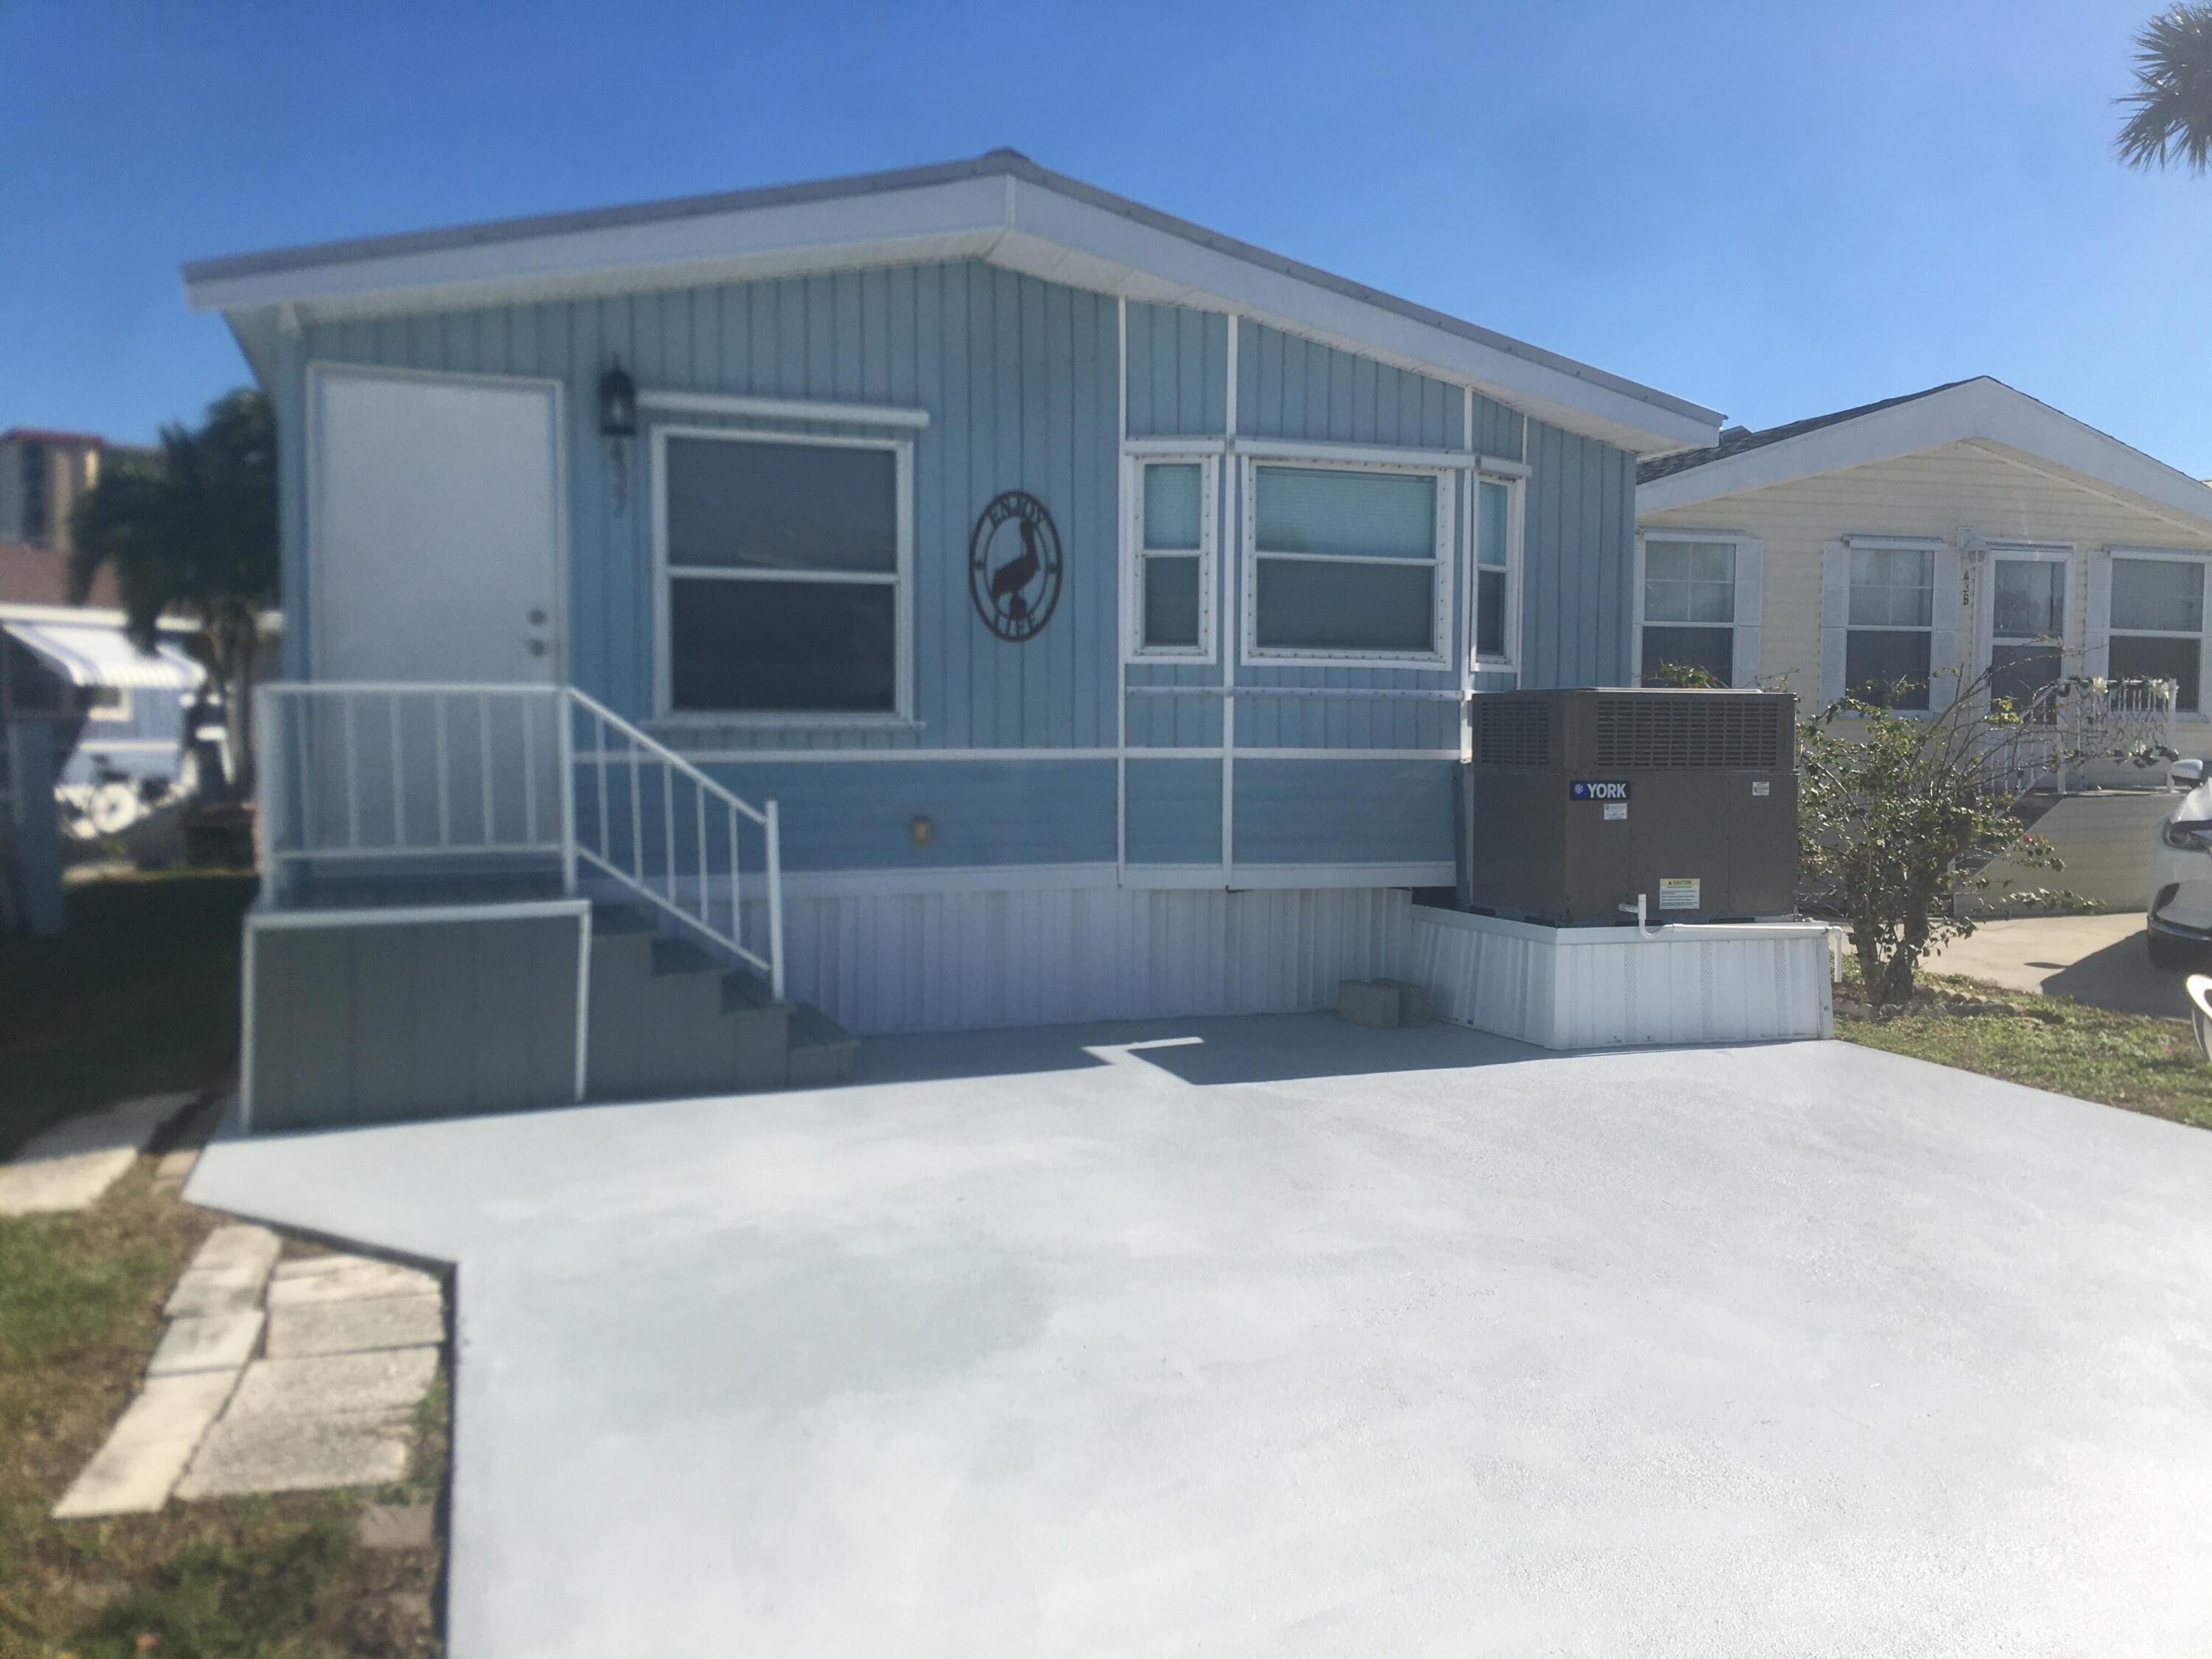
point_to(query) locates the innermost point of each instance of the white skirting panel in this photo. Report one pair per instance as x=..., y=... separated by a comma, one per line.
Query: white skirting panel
x=968, y=960
x=1600, y=987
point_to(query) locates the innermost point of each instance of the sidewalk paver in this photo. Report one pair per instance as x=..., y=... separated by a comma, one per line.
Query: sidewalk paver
x=389, y=1379
x=211, y=1342
x=264, y=1452
x=72, y=1163
x=133, y=1473
x=356, y=1279
x=384, y=1321
x=225, y=1276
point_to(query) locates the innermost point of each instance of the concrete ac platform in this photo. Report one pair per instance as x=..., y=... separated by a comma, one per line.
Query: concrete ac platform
x=1610, y=987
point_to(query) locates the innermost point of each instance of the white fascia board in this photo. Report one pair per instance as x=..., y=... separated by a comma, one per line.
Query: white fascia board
x=964, y=214
x=1008, y=219
x=1983, y=410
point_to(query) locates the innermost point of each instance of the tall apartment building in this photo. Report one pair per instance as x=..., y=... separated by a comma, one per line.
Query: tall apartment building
x=42, y=474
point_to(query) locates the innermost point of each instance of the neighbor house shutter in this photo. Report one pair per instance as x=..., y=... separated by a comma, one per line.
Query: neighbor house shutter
x=1944, y=668
x=1835, y=618
x=1750, y=597
x=2097, y=614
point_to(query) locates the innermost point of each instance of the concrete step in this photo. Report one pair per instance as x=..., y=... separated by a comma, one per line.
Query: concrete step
x=669, y=1018
x=821, y=1050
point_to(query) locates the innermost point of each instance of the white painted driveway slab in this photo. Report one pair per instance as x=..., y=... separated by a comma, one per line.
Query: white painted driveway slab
x=1297, y=1338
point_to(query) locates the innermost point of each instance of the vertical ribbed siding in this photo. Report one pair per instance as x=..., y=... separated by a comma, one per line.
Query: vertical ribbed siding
x=1019, y=377
x=1579, y=554
x=925, y=962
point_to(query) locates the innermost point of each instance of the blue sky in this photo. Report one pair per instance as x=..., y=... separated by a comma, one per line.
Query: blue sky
x=1774, y=209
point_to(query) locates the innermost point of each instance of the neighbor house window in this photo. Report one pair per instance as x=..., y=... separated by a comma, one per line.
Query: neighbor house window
x=2158, y=624
x=1347, y=564
x=1172, y=570
x=1496, y=557
x=1886, y=652
x=1689, y=610
x=785, y=570
x=37, y=503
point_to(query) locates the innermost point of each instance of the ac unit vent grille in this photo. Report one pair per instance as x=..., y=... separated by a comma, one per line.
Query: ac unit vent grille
x=1513, y=733
x=1740, y=733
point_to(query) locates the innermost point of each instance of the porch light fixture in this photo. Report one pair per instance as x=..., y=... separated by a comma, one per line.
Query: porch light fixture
x=617, y=403
x=618, y=425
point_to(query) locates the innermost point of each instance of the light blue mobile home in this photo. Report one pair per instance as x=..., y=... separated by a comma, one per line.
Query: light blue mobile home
x=1093, y=597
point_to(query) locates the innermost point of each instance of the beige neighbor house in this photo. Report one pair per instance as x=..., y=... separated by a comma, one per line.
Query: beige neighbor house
x=1930, y=538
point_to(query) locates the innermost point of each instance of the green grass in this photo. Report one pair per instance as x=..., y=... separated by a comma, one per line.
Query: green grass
x=2131, y=1060
x=138, y=994
x=57, y=1298
x=222, y=1600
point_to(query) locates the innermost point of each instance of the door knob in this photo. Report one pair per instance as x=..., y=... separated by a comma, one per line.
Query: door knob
x=537, y=647
x=538, y=616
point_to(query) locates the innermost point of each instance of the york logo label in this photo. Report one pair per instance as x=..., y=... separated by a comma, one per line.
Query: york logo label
x=1581, y=790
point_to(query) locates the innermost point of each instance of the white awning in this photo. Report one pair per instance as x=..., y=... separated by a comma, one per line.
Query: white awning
x=94, y=654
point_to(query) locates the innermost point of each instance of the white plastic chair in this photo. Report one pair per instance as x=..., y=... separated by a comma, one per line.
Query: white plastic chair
x=2200, y=1011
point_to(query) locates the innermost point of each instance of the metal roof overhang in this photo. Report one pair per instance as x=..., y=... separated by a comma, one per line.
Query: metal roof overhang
x=91, y=654
x=1002, y=209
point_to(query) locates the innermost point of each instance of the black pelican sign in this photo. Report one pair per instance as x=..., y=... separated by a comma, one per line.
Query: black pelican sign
x=1013, y=565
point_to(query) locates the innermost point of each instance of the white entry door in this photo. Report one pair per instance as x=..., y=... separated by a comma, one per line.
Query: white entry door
x=434, y=529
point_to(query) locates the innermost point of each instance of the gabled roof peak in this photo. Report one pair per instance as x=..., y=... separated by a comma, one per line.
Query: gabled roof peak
x=1981, y=410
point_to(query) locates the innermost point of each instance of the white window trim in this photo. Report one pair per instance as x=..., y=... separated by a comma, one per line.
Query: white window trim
x=1251, y=654
x=2100, y=650
x=1749, y=586
x=1516, y=510
x=665, y=713
x=1935, y=547
x=1133, y=649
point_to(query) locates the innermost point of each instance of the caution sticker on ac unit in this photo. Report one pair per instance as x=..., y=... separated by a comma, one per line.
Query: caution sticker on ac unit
x=1678, y=892
x=1616, y=812
x=1596, y=789
x=1761, y=788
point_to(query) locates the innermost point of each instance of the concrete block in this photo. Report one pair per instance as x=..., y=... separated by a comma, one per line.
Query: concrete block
x=384, y=1321
x=307, y=1267
x=72, y=1163
x=1412, y=1001
x=205, y=1293
x=253, y=1248
x=398, y=1526
x=1364, y=1002
x=133, y=1473
x=211, y=1342
x=321, y=1385
x=358, y=1280
x=226, y=1273
x=249, y=1452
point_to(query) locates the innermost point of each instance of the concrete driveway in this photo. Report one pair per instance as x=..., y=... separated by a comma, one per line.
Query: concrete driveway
x=1290, y=1338
x=2099, y=959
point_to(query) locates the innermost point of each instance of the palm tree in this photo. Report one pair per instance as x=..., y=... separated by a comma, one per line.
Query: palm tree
x=192, y=531
x=2173, y=99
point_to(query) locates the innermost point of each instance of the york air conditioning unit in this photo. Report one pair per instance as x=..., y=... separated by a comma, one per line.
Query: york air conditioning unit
x=1577, y=802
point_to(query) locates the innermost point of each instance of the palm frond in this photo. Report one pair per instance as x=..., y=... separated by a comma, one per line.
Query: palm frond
x=2173, y=99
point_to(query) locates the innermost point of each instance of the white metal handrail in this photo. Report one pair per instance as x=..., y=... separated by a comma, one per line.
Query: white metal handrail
x=379, y=771
x=690, y=898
